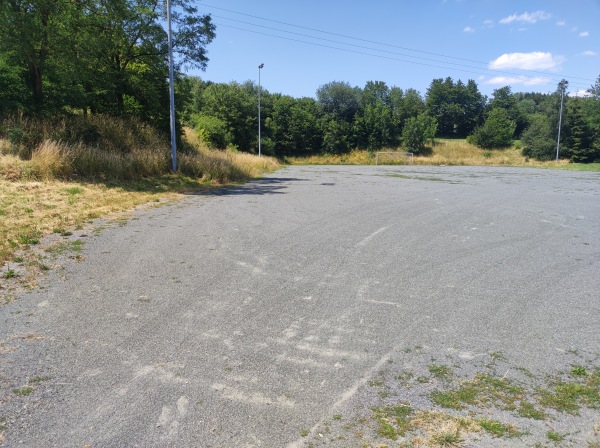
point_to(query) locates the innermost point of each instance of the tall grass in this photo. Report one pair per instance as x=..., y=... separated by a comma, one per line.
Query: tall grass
x=100, y=147
x=444, y=152
x=113, y=165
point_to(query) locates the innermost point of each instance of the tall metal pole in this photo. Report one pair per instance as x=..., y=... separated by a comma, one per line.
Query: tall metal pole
x=259, y=144
x=563, y=86
x=172, y=92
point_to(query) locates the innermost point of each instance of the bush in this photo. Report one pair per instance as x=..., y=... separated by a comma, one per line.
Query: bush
x=497, y=131
x=212, y=130
x=538, y=139
x=417, y=130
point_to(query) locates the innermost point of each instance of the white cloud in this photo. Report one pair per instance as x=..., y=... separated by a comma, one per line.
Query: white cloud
x=584, y=34
x=574, y=29
x=517, y=80
x=561, y=23
x=589, y=53
x=468, y=29
x=523, y=29
x=526, y=17
x=579, y=93
x=488, y=23
x=536, y=60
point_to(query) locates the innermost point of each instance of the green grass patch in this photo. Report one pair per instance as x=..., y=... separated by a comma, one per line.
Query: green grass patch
x=498, y=429
x=23, y=391
x=29, y=238
x=578, y=167
x=61, y=232
x=65, y=247
x=483, y=390
x=74, y=190
x=528, y=410
x=393, y=421
x=440, y=371
x=578, y=371
x=555, y=436
x=569, y=396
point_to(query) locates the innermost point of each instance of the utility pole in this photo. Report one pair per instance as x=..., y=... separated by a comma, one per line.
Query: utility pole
x=171, y=92
x=259, y=68
x=563, y=86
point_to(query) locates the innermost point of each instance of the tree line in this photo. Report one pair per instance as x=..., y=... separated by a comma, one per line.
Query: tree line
x=344, y=117
x=81, y=57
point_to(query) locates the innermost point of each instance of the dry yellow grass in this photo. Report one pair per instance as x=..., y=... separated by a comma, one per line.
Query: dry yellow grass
x=30, y=209
x=39, y=196
x=444, y=152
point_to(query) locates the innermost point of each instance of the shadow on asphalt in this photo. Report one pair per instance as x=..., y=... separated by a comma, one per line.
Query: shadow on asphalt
x=271, y=185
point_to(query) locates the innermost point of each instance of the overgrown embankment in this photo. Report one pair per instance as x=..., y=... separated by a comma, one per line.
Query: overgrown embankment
x=58, y=174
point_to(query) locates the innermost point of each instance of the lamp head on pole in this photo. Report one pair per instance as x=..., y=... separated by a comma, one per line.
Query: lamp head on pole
x=261, y=65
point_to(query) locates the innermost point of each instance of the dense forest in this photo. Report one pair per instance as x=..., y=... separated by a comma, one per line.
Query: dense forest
x=80, y=58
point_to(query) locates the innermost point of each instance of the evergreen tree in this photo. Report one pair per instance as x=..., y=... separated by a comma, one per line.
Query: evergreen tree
x=578, y=137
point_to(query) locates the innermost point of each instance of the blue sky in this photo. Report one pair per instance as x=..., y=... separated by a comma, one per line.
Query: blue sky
x=529, y=45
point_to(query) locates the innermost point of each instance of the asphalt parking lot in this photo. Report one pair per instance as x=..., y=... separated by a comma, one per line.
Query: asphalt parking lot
x=251, y=315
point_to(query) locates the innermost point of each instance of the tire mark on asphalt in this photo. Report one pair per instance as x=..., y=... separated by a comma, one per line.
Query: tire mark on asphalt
x=364, y=241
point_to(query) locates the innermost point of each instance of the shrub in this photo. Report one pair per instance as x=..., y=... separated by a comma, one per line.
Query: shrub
x=212, y=130
x=538, y=139
x=417, y=130
x=497, y=131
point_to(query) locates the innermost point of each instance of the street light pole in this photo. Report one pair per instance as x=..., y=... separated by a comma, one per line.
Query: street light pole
x=259, y=144
x=563, y=85
x=171, y=91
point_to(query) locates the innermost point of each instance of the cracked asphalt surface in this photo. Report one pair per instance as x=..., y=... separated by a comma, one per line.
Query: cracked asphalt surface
x=244, y=317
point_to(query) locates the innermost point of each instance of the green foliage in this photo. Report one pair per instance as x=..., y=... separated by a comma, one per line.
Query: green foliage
x=456, y=107
x=237, y=107
x=496, y=132
x=12, y=88
x=339, y=99
x=578, y=136
x=335, y=135
x=97, y=57
x=345, y=117
x=504, y=99
x=539, y=139
x=416, y=132
x=294, y=126
x=374, y=129
x=212, y=130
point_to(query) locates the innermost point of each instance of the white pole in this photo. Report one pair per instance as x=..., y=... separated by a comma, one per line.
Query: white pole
x=562, y=92
x=171, y=92
x=259, y=145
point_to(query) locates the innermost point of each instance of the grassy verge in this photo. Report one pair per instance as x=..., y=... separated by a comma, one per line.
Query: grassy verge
x=51, y=186
x=444, y=152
